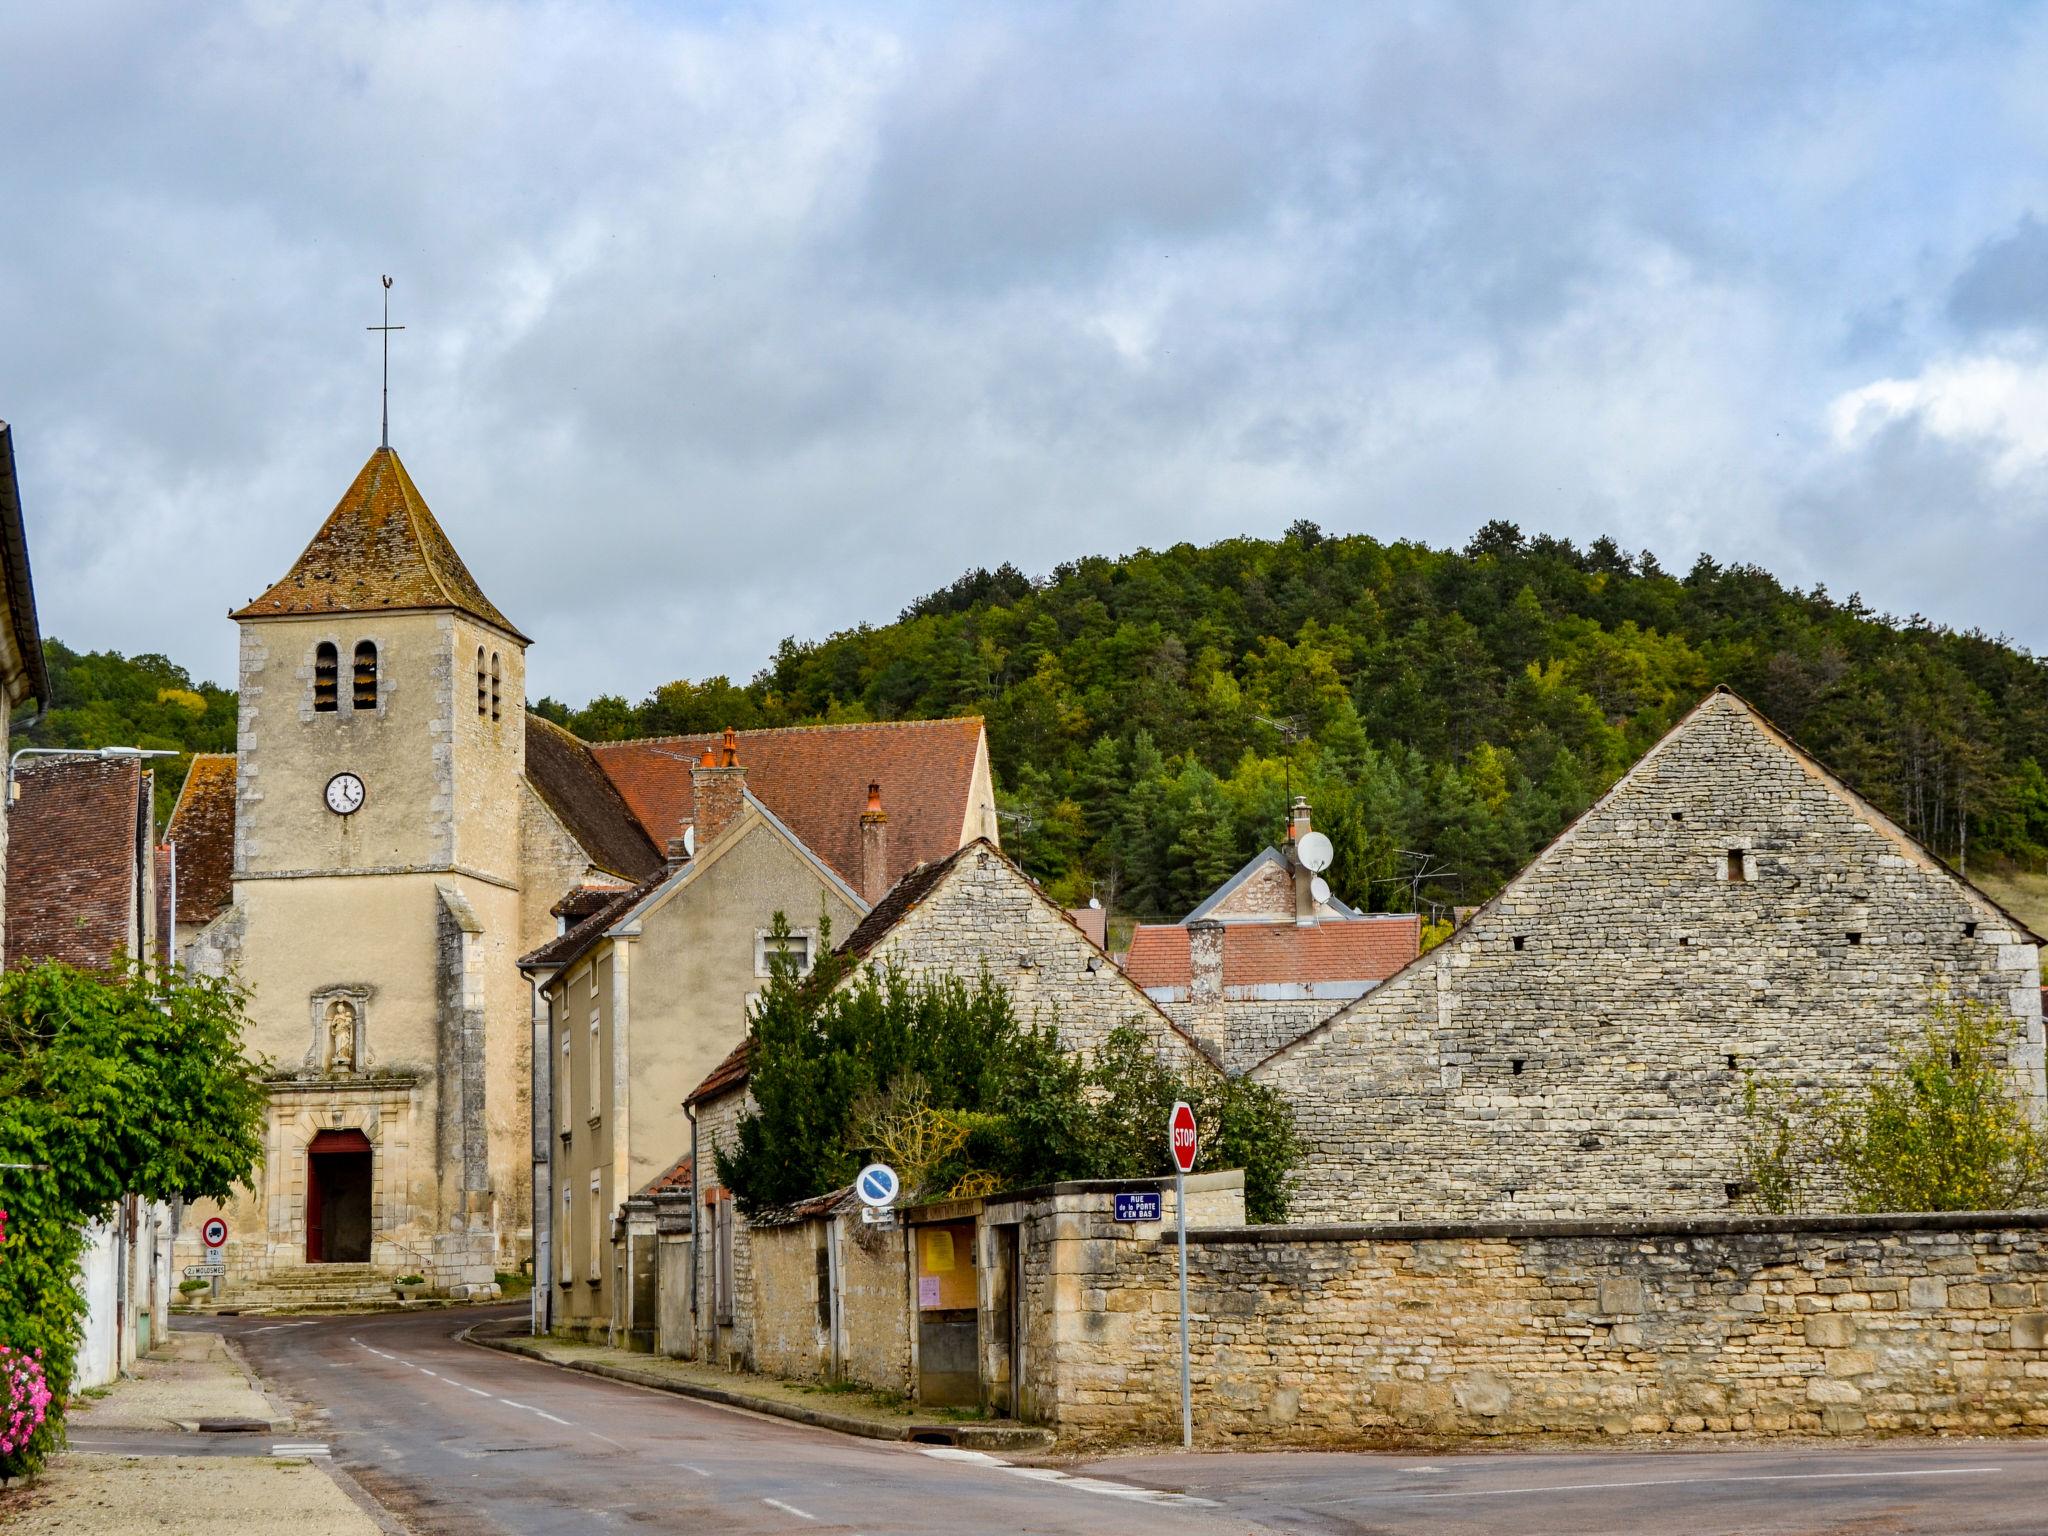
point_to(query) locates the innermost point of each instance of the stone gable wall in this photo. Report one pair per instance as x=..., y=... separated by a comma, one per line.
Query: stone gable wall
x=1578, y=1048
x=984, y=913
x=1322, y=1336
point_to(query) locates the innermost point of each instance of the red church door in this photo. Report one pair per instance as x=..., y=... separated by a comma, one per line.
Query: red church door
x=338, y=1211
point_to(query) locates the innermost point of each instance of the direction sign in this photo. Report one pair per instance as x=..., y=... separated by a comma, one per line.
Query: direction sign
x=204, y=1271
x=877, y=1185
x=1142, y=1206
x=214, y=1233
x=1181, y=1137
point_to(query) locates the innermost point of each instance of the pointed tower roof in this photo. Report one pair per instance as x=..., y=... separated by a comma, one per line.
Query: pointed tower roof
x=379, y=549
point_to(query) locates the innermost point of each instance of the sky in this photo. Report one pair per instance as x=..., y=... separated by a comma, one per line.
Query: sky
x=731, y=323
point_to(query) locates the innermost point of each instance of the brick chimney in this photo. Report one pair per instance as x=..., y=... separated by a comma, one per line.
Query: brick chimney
x=874, y=848
x=717, y=783
x=1206, y=1015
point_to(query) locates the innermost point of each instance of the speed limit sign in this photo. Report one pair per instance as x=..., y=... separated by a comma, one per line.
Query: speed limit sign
x=214, y=1233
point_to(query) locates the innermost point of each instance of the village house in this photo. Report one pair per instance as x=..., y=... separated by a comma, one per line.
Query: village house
x=81, y=872
x=970, y=913
x=392, y=833
x=1579, y=1046
x=1269, y=954
x=23, y=675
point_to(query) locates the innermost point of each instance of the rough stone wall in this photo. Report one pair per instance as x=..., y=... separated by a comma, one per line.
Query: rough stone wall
x=874, y=1304
x=787, y=1340
x=1721, y=1327
x=1578, y=1047
x=985, y=913
x=727, y=1343
x=1245, y=1033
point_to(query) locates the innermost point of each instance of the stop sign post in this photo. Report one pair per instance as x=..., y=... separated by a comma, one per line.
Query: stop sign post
x=1184, y=1140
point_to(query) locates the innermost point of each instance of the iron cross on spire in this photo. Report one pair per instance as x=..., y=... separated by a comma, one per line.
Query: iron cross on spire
x=387, y=328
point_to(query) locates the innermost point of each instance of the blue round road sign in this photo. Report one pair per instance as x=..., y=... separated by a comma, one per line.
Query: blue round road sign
x=877, y=1185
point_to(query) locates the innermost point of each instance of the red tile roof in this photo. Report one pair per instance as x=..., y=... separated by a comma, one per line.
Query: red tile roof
x=677, y=1177
x=203, y=830
x=379, y=549
x=1256, y=954
x=78, y=843
x=729, y=1073
x=815, y=779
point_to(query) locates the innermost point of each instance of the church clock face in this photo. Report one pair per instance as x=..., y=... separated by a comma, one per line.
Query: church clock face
x=344, y=794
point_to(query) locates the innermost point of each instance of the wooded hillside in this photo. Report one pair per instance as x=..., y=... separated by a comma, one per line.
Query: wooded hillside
x=1447, y=712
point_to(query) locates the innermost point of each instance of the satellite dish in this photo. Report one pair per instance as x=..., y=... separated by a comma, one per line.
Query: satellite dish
x=1094, y=904
x=690, y=841
x=1320, y=889
x=1314, y=851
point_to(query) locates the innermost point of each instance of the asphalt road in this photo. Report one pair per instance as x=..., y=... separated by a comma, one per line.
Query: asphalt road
x=458, y=1440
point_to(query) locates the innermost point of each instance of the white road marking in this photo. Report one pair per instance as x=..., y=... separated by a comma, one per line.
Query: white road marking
x=479, y=1391
x=688, y=1468
x=789, y=1509
x=607, y=1439
x=425, y=1372
x=529, y=1408
x=273, y=1327
x=290, y=1451
x=1101, y=1485
x=1673, y=1482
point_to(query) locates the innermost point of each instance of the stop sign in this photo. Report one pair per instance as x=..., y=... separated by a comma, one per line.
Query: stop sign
x=1180, y=1129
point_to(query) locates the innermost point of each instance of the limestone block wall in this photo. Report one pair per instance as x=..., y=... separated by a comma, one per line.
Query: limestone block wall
x=874, y=1304
x=1579, y=1046
x=1807, y=1325
x=728, y=1342
x=986, y=913
x=1245, y=1032
x=788, y=1338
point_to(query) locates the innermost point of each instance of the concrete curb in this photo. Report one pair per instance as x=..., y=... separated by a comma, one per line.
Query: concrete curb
x=968, y=1436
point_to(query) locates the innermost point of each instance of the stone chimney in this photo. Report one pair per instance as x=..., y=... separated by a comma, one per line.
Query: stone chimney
x=717, y=784
x=1206, y=1016
x=1304, y=877
x=874, y=848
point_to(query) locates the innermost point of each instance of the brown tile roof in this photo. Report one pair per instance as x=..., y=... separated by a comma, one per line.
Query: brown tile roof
x=34, y=679
x=161, y=950
x=203, y=829
x=568, y=779
x=78, y=842
x=675, y=1177
x=898, y=903
x=568, y=948
x=815, y=779
x=728, y=1074
x=1255, y=954
x=379, y=549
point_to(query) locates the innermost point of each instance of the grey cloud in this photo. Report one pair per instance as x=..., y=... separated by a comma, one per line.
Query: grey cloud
x=2005, y=285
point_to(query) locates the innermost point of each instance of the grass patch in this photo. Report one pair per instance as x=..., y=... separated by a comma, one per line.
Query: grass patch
x=511, y=1284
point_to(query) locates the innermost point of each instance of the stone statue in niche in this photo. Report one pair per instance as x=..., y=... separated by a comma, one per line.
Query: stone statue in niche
x=341, y=1036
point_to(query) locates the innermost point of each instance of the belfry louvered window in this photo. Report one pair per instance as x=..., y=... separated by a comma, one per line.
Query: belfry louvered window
x=326, y=676
x=482, y=685
x=366, y=675
x=494, y=685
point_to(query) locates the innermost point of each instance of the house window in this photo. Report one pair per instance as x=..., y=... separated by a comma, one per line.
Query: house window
x=482, y=688
x=494, y=685
x=795, y=948
x=563, y=1264
x=721, y=1259
x=326, y=676
x=596, y=1230
x=1738, y=866
x=366, y=675
x=590, y=1062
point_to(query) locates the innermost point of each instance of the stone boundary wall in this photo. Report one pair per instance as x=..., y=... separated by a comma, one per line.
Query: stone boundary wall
x=1322, y=1335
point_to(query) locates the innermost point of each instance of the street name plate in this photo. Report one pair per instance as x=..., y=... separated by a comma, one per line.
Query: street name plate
x=1143, y=1206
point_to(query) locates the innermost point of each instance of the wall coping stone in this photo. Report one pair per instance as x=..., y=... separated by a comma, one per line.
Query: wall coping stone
x=1649, y=1226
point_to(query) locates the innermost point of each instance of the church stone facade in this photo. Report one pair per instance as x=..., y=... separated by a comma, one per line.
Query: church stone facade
x=1578, y=1048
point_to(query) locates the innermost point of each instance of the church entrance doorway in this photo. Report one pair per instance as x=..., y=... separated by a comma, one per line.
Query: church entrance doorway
x=338, y=1198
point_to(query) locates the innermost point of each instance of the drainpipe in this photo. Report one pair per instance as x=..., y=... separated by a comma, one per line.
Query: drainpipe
x=696, y=1217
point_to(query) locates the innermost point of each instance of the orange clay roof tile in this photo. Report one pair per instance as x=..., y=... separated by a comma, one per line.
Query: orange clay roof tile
x=1341, y=949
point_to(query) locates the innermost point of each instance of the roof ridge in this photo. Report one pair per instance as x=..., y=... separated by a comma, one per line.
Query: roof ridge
x=779, y=730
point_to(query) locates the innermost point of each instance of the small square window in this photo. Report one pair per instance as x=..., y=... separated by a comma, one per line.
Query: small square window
x=1519, y=939
x=1738, y=865
x=795, y=948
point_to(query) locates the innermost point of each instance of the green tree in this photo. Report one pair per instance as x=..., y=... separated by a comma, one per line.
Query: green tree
x=127, y=1081
x=1942, y=1127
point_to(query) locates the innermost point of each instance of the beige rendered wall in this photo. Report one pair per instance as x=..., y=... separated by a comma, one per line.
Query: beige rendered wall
x=693, y=969
x=584, y=1298
x=551, y=863
x=874, y=1304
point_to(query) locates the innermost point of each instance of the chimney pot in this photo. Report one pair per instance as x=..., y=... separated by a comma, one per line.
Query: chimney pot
x=718, y=785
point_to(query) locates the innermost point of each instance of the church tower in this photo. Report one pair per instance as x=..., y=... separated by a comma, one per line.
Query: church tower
x=376, y=901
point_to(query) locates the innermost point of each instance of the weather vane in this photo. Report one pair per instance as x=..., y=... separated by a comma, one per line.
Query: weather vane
x=387, y=328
